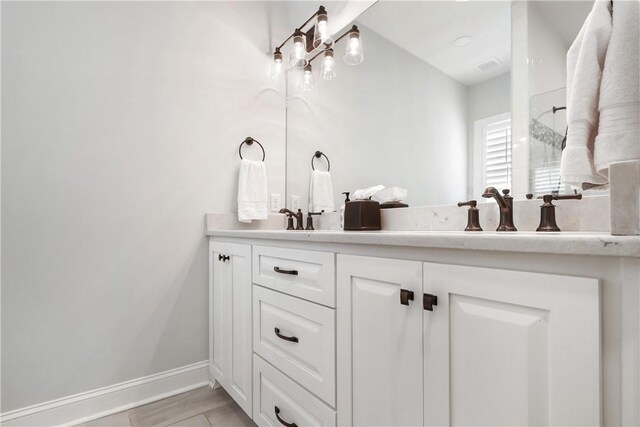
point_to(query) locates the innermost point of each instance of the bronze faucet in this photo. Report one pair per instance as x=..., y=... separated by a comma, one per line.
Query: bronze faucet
x=506, y=208
x=297, y=215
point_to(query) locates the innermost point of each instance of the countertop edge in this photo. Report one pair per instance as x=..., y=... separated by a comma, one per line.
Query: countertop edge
x=570, y=243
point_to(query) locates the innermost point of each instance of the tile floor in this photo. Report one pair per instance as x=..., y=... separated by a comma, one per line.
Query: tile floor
x=202, y=407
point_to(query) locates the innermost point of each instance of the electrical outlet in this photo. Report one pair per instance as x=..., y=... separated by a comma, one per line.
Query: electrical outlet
x=295, y=203
x=275, y=202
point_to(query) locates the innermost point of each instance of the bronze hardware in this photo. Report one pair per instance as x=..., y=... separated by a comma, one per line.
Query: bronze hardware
x=249, y=141
x=297, y=215
x=548, y=211
x=223, y=258
x=310, y=219
x=283, y=422
x=405, y=296
x=428, y=301
x=284, y=337
x=281, y=271
x=319, y=154
x=506, y=208
x=473, y=215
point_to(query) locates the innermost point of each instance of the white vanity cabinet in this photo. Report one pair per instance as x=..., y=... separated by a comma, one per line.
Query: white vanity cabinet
x=510, y=348
x=230, y=320
x=379, y=342
x=473, y=346
x=329, y=333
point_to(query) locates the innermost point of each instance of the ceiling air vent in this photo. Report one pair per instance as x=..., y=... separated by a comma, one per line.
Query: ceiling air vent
x=489, y=63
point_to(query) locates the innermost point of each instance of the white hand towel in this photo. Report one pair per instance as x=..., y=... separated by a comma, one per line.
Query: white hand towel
x=619, y=129
x=252, y=191
x=585, y=62
x=321, y=192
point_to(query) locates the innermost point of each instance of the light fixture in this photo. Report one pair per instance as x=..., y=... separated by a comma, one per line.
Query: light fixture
x=462, y=41
x=315, y=41
x=276, y=66
x=328, y=67
x=321, y=34
x=298, y=56
x=308, y=83
x=353, y=54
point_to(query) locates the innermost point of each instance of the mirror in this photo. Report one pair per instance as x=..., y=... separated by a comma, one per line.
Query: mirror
x=431, y=108
x=410, y=114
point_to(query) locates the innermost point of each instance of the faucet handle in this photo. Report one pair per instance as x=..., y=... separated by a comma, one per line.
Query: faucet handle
x=473, y=215
x=472, y=203
x=310, y=219
x=548, y=210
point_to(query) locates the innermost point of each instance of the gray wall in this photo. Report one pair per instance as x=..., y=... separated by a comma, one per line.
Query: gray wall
x=120, y=125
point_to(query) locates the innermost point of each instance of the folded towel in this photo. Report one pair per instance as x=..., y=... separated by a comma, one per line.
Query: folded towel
x=252, y=191
x=366, y=193
x=618, y=137
x=321, y=192
x=585, y=62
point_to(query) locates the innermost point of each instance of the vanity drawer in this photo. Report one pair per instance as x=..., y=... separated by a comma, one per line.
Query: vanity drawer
x=297, y=337
x=305, y=274
x=272, y=389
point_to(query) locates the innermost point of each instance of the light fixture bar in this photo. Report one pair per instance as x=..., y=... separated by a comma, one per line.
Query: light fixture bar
x=321, y=10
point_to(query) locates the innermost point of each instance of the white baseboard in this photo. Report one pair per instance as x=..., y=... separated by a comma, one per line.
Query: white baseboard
x=94, y=404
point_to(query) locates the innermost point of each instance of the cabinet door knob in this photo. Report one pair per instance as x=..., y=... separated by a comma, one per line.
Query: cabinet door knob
x=405, y=296
x=223, y=258
x=283, y=422
x=428, y=301
x=284, y=337
x=282, y=271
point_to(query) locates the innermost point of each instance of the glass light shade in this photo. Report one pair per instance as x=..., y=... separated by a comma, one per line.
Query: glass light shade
x=353, y=54
x=298, y=56
x=328, y=67
x=321, y=34
x=276, y=65
x=308, y=83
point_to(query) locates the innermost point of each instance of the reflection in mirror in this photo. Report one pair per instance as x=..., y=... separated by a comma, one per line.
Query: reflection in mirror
x=428, y=110
x=552, y=28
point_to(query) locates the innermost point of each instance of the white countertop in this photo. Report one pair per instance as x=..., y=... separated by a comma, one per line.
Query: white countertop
x=576, y=243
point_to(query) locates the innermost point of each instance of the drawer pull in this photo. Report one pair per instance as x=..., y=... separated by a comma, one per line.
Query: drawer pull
x=428, y=301
x=223, y=258
x=283, y=422
x=284, y=337
x=281, y=271
x=405, y=296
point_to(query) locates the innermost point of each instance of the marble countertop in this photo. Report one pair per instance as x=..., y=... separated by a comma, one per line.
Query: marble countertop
x=575, y=243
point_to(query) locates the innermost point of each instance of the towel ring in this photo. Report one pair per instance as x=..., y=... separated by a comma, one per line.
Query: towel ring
x=248, y=140
x=317, y=155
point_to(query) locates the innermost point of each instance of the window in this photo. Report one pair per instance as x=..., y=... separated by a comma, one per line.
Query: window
x=492, y=153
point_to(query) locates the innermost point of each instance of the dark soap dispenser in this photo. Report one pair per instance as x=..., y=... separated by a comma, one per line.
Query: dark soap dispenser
x=362, y=215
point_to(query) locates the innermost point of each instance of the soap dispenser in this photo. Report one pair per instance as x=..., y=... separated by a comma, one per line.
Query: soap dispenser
x=346, y=193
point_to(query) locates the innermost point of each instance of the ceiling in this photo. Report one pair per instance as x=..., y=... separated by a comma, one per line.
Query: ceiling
x=427, y=29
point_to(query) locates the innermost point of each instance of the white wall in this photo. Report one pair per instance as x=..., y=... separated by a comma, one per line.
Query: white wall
x=393, y=120
x=121, y=123
x=486, y=99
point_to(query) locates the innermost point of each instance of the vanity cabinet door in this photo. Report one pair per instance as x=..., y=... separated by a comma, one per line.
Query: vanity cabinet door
x=230, y=320
x=510, y=348
x=379, y=342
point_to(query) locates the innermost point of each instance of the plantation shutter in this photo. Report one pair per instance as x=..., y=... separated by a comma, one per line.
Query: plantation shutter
x=497, y=154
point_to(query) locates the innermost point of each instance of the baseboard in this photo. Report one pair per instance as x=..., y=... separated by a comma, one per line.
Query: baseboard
x=94, y=404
